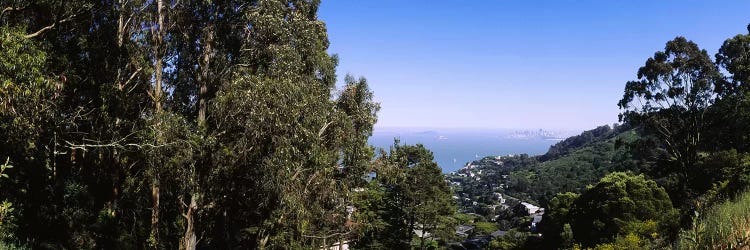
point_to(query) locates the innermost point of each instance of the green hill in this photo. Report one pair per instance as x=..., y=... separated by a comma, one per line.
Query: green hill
x=575, y=166
x=569, y=166
x=724, y=226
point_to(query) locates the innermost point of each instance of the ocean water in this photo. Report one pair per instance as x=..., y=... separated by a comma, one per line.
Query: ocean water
x=454, y=148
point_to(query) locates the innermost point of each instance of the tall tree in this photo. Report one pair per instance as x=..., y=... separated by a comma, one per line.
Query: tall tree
x=201, y=123
x=734, y=57
x=670, y=100
x=731, y=113
x=158, y=31
x=417, y=198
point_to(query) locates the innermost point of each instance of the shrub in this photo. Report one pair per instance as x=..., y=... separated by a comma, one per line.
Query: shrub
x=620, y=204
x=724, y=226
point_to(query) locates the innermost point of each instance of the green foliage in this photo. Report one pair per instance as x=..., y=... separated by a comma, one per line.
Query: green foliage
x=22, y=76
x=550, y=179
x=629, y=241
x=485, y=228
x=730, y=115
x=148, y=124
x=686, y=128
x=566, y=236
x=555, y=225
x=201, y=125
x=675, y=89
x=724, y=226
x=725, y=174
x=570, y=166
x=622, y=203
x=580, y=166
x=7, y=212
x=574, y=142
x=371, y=214
x=408, y=194
x=7, y=221
x=621, y=210
x=12, y=246
x=733, y=56
x=462, y=218
x=5, y=166
x=511, y=240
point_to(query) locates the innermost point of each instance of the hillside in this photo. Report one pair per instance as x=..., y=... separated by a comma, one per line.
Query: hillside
x=569, y=166
x=724, y=226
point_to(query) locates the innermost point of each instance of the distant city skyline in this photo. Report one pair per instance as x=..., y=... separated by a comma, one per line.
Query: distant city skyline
x=508, y=64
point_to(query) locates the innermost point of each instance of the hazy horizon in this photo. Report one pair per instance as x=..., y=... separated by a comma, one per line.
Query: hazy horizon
x=478, y=128
x=453, y=148
x=548, y=64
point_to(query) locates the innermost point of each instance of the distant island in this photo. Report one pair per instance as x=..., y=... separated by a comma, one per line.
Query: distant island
x=454, y=148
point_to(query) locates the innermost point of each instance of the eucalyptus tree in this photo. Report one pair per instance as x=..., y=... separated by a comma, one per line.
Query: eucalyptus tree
x=670, y=100
x=731, y=114
x=165, y=124
x=286, y=147
x=72, y=36
x=734, y=57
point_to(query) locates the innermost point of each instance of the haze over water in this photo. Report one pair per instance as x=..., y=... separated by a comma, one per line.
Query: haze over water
x=453, y=148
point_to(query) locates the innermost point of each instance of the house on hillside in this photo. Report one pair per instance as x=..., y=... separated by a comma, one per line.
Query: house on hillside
x=464, y=230
x=499, y=233
x=530, y=208
x=343, y=245
x=535, y=222
x=500, y=197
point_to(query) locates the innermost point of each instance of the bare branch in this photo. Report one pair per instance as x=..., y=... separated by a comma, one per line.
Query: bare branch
x=132, y=76
x=42, y=30
x=7, y=9
x=327, y=236
x=323, y=129
x=115, y=144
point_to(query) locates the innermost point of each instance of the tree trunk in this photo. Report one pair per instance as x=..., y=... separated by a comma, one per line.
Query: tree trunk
x=189, y=241
x=208, y=40
x=118, y=164
x=341, y=242
x=410, y=231
x=263, y=241
x=154, y=212
x=158, y=67
x=120, y=38
x=158, y=55
x=158, y=33
x=121, y=24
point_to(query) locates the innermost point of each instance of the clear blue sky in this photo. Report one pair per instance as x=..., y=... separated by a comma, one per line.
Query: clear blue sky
x=512, y=64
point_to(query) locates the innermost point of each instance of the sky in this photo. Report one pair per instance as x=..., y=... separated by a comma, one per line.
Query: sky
x=512, y=64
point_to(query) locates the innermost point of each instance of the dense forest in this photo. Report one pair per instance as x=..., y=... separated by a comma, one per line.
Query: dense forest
x=182, y=124
x=131, y=124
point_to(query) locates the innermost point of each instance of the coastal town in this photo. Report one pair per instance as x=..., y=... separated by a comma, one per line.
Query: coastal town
x=491, y=216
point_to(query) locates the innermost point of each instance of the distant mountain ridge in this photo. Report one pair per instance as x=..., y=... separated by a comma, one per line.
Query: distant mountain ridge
x=542, y=134
x=454, y=148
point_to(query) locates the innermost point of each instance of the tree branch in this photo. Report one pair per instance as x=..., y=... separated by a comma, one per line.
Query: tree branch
x=327, y=236
x=132, y=76
x=115, y=144
x=49, y=27
x=7, y=9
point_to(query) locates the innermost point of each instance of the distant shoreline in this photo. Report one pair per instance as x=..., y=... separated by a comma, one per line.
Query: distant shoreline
x=453, y=149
